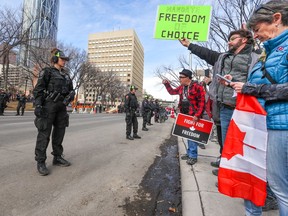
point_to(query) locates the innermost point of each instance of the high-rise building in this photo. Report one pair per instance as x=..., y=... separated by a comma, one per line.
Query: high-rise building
x=41, y=18
x=121, y=52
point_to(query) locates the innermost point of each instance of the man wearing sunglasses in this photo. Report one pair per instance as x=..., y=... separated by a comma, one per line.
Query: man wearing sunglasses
x=192, y=102
x=237, y=61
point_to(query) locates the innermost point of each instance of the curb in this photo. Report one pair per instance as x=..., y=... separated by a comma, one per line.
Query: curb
x=191, y=200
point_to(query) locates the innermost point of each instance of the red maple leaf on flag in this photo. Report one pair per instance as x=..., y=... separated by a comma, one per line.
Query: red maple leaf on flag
x=234, y=141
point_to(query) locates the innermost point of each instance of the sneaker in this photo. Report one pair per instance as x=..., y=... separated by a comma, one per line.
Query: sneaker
x=191, y=161
x=129, y=137
x=270, y=204
x=42, y=169
x=145, y=129
x=215, y=172
x=184, y=157
x=216, y=163
x=60, y=161
x=202, y=146
x=136, y=136
x=216, y=184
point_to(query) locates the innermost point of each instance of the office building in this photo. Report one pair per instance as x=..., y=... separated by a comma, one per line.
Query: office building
x=40, y=20
x=120, y=52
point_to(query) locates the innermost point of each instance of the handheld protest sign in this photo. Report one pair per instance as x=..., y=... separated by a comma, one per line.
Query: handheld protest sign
x=186, y=128
x=183, y=21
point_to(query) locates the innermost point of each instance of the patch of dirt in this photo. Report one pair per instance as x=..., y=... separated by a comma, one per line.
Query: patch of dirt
x=160, y=189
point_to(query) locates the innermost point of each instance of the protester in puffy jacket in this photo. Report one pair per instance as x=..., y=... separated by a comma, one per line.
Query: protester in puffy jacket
x=268, y=82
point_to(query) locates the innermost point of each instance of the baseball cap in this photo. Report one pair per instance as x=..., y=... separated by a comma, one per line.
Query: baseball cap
x=133, y=87
x=186, y=72
x=61, y=55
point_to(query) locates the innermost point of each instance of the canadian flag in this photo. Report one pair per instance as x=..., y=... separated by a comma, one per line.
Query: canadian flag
x=242, y=171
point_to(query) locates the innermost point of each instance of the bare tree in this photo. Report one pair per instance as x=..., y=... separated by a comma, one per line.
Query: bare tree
x=15, y=33
x=115, y=89
x=227, y=16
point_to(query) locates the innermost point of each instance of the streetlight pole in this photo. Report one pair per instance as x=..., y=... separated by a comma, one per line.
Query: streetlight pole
x=26, y=79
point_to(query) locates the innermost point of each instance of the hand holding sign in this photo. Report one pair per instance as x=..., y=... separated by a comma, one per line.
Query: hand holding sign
x=185, y=42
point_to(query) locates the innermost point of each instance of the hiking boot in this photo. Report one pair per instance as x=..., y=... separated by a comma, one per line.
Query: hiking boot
x=216, y=163
x=145, y=129
x=184, y=157
x=60, y=161
x=42, y=169
x=270, y=204
x=129, y=137
x=215, y=172
x=191, y=161
x=136, y=136
x=202, y=146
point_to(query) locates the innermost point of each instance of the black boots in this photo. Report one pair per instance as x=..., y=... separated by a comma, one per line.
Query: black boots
x=60, y=161
x=216, y=163
x=42, y=169
x=145, y=129
x=129, y=137
x=135, y=136
x=57, y=161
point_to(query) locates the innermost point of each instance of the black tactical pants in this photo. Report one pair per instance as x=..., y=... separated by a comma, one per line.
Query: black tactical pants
x=131, y=120
x=22, y=107
x=144, y=115
x=59, y=119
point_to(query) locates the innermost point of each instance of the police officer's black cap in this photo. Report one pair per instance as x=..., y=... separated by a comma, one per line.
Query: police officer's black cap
x=61, y=55
x=186, y=73
x=133, y=87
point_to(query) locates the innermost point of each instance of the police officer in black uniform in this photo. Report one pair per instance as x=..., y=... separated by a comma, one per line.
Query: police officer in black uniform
x=21, y=104
x=151, y=111
x=157, y=111
x=145, y=110
x=4, y=99
x=131, y=104
x=52, y=93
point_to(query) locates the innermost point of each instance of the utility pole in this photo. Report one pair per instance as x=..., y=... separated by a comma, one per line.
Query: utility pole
x=190, y=54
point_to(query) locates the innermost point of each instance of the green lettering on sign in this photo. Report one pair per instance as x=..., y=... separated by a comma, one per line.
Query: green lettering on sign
x=183, y=21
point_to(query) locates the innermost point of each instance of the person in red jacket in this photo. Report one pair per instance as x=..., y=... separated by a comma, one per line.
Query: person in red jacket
x=192, y=102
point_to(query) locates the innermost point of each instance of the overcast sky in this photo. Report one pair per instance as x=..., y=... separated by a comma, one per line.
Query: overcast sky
x=79, y=18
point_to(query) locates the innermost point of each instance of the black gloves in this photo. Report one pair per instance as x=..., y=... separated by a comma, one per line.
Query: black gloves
x=40, y=112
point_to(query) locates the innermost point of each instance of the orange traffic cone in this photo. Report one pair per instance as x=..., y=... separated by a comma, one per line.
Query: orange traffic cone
x=172, y=114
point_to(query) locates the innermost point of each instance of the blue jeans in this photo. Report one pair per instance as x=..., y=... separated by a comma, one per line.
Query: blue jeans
x=251, y=209
x=192, y=150
x=277, y=167
x=225, y=118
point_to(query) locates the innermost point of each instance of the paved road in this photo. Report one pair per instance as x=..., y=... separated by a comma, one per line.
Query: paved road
x=106, y=168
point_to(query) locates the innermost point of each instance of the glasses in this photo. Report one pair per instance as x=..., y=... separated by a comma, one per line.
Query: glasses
x=182, y=77
x=234, y=38
x=264, y=7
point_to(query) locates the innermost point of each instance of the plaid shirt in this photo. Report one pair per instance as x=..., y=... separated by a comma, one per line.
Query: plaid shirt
x=196, y=97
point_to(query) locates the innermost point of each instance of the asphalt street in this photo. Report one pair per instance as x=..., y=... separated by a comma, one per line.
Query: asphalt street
x=106, y=168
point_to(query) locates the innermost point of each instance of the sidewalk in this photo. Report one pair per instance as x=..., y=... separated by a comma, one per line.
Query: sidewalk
x=200, y=196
